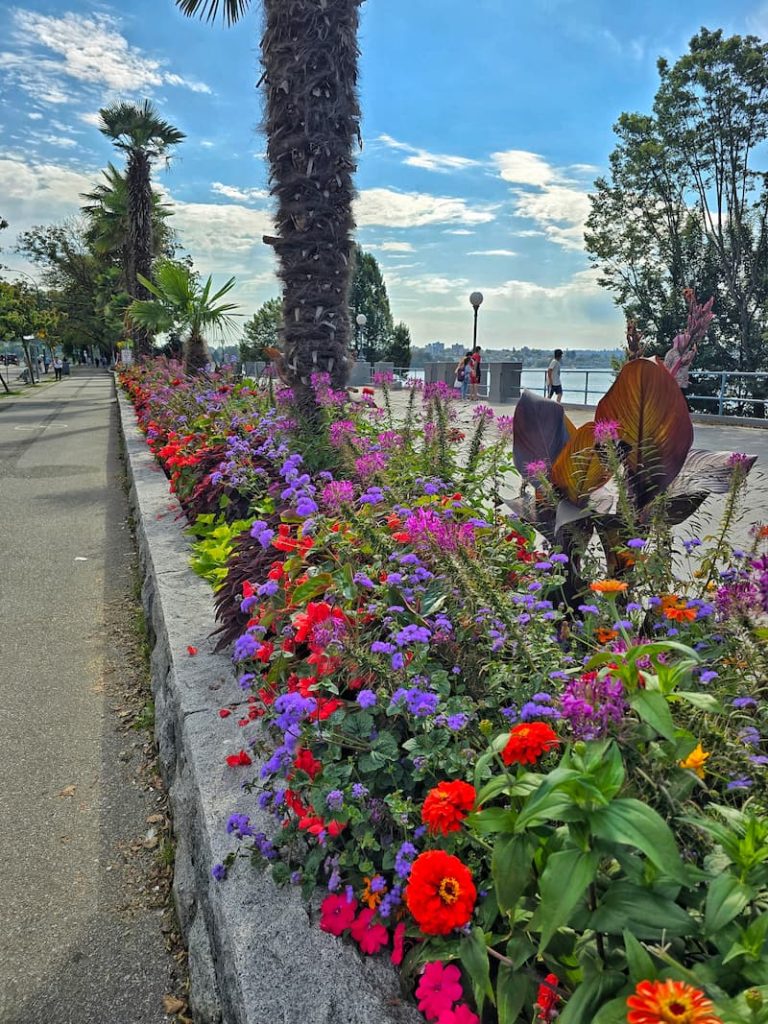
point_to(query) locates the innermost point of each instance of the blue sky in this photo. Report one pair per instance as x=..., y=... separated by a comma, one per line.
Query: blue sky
x=484, y=126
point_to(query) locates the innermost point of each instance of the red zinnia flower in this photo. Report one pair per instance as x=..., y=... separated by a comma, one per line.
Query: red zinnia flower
x=369, y=937
x=440, y=893
x=527, y=742
x=337, y=914
x=447, y=805
x=669, y=1002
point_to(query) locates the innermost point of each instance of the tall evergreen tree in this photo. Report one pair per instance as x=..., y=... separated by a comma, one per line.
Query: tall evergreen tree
x=310, y=56
x=262, y=331
x=368, y=296
x=143, y=136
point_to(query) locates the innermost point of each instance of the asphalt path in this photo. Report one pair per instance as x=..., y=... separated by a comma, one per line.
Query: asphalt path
x=74, y=946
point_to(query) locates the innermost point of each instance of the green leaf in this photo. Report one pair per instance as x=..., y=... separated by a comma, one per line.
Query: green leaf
x=474, y=957
x=491, y=820
x=590, y=995
x=634, y=823
x=514, y=990
x=704, y=701
x=537, y=805
x=613, y=1012
x=726, y=898
x=511, y=868
x=312, y=587
x=493, y=788
x=652, y=707
x=639, y=960
x=648, y=913
x=562, y=884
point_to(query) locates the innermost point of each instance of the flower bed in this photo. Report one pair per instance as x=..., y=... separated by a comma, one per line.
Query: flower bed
x=539, y=787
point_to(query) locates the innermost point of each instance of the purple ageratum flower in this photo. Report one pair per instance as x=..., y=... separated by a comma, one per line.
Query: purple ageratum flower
x=335, y=800
x=744, y=702
x=759, y=759
x=420, y=703
x=366, y=698
x=373, y=496
x=397, y=661
x=589, y=609
x=636, y=542
x=741, y=782
x=413, y=634
x=606, y=430
x=404, y=859
x=219, y=872
x=261, y=532
x=591, y=704
x=382, y=647
x=707, y=676
x=691, y=543
x=750, y=736
x=560, y=558
x=245, y=647
x=359, y=791
x=240, y=825
x=456, y=722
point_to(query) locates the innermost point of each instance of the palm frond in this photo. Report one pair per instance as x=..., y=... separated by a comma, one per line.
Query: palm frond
x=231, y=10
x=150, y=314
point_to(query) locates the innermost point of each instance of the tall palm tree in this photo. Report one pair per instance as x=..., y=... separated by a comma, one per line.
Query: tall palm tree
x=310, y=56
x=181, y=303
x=143, y=136
x=106, y=212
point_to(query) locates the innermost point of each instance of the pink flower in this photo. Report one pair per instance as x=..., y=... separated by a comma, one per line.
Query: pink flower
x=438, y=989
x=538, y=468
x=505, y=426
x=369, y=937
x=398, y=940
x=460, y=1014
x=337, y=914
x=606, y=430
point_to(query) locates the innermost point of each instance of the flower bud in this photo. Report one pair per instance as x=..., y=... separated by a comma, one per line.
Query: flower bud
x=486, y=727
x=754, y=999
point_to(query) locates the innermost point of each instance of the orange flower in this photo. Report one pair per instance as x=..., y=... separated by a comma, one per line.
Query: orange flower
x=370, y=898
x=527, y=742
x=669, y=1002
x=604, y=636
x=695, y=760
x=446, y=806
x=608, y=587
x=440, y=893
x=680, y=614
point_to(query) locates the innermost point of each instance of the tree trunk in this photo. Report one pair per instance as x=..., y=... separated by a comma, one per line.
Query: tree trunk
x=139, y=239
x=195, y=353
x=310, y=58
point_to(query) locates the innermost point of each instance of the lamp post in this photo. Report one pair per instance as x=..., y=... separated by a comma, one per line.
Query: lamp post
x=361, y=320
x=475, y=300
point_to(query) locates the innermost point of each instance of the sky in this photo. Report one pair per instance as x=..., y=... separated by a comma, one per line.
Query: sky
x=485, y=124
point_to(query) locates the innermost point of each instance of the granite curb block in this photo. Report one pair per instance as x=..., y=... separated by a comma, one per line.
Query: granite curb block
x=254, y=955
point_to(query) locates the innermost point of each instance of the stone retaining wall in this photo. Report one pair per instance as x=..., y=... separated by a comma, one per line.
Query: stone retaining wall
x=254, y=955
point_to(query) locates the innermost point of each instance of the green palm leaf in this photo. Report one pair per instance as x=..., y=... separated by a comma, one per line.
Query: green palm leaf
x=231, y=10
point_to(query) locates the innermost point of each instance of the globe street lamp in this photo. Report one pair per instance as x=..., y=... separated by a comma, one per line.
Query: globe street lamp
x=475, y=300
x=361, y=320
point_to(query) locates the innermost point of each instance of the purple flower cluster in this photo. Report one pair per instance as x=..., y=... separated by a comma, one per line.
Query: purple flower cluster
x=592, y=704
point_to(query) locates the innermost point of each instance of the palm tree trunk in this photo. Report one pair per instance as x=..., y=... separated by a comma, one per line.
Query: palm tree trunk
x=195, y=353
x=310, y=58
x=139, y=238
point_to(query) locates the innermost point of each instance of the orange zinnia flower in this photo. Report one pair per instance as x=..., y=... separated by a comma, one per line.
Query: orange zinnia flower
x=440, y=893
x=680, y=614
x=608, y=586
x=604, y=636
x=669, y=1002
x=527, y=742
x=446, y=806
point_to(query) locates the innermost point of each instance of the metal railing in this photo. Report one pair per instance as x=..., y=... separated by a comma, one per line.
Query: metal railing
x=729, y=392
x=607, y=374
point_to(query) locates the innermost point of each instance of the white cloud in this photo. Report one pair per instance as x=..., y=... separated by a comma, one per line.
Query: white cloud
x=385, y=207
x=242, y=195
x=492, y=252
x=40, y=192
x=417, y=157
x=91, y=117
x=523, y=168
x=89, y=49
x=393, y=247
x=581, y=285
x=432, y=284
x=457, y=231
x=55, y=140
x=35, y=117
x=207, y=144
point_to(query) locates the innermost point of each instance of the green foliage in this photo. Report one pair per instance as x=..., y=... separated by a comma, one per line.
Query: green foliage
x=368, y=295
x=213, y=546
x=399, y=351
x=262, y=331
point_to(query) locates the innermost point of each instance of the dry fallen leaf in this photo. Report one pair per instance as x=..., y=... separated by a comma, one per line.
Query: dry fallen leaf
x=155, y=819
x=68, y=791
x=172, y=1004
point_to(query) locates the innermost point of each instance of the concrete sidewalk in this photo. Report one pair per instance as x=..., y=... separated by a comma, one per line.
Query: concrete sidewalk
x=77, y=945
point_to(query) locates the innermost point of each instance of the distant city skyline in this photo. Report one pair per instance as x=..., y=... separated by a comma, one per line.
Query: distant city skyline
x=484, y=128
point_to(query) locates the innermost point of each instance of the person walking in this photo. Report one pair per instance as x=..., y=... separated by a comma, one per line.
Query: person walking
x=474, y=377
x=553, y=376
x=56, y=368
x=463, y=373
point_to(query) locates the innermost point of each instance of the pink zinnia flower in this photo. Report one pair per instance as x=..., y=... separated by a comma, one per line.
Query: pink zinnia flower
x=369, y=937
x=337, y=913
x=606, y=430
x=438, y=989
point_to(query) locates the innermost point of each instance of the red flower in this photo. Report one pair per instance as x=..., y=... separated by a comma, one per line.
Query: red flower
x=191, y=651
x=306, y=762
x=527, y=742
x=337, y=914
x=369, y=937
x=241, y=759
x=438, y=989
x=248, y=590
x=398, y=942
x=460, y=1014
x=440, y=893
x=547, y=998
x=447, y=805
x=402, y=537
x=224, y=712
x=294, y=801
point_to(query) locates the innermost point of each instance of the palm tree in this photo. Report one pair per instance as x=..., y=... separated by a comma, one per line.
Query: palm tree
x=181, y=303
x=310, y=57
x=143, y=136
x=106, y=212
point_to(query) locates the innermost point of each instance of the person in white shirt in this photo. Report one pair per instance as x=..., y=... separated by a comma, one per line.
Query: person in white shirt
x=553, y=376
